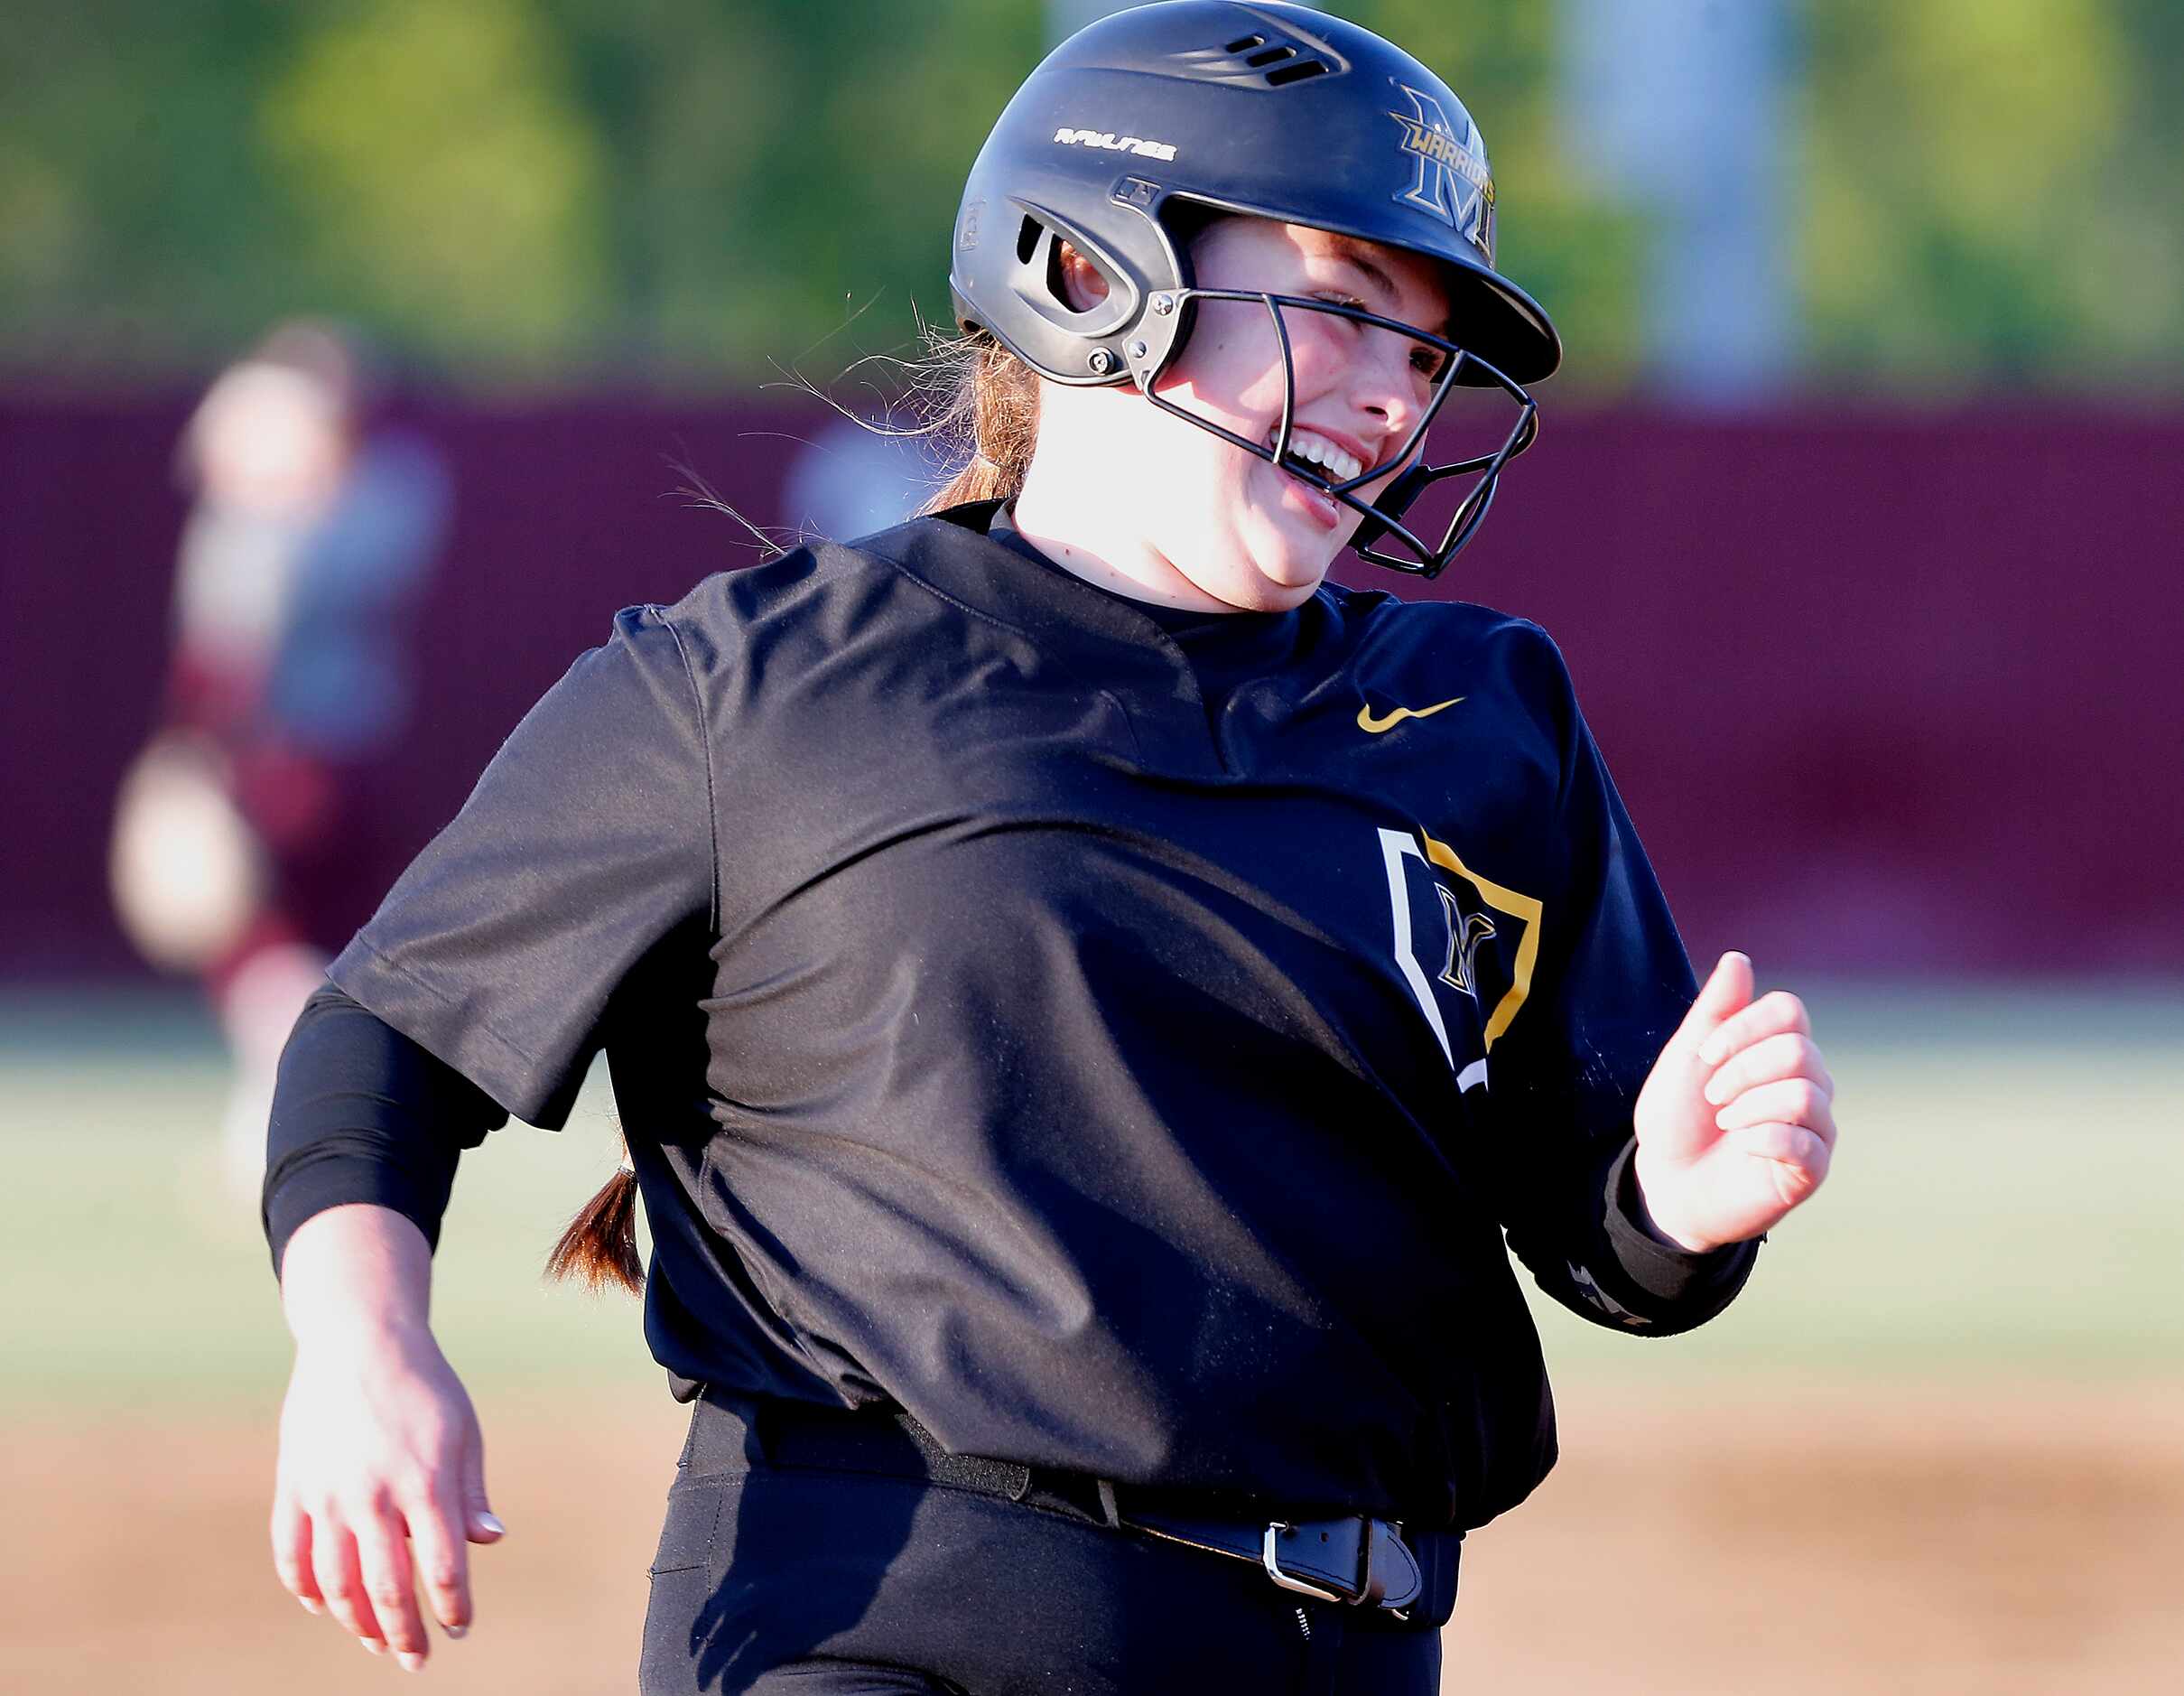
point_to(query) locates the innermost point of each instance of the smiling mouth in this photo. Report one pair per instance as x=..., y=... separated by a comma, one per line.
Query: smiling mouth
x=1303, y=492
x=1316, y=455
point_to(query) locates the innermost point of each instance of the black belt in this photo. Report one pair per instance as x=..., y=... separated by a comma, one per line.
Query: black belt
x=1354, y=1560
x=1362, y=1561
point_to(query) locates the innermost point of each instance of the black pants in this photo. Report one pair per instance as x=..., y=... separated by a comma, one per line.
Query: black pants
x=784, y=1578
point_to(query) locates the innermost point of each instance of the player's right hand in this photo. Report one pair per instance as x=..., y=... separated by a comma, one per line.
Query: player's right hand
x=381, y=1459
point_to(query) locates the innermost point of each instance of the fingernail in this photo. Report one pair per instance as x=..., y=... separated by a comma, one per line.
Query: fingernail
x=1717, y=1092
x=411, y=1661
x=310, y=1607
x=374, y=1645
x=490, y=1521
x=458, y=1632
x=1710, y=1052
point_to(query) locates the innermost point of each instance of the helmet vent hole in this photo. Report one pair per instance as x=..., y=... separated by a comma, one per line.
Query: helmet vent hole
x=1027, y=240
x=1264, y=59
x=1056, y=288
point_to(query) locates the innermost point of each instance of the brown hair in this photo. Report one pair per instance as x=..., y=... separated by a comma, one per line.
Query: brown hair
x=600, y=1248
x=983, y=403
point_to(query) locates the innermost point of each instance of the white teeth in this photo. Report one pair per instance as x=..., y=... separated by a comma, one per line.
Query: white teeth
x=1316, y=450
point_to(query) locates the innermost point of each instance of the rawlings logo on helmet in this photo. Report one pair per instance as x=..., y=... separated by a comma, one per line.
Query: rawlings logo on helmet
x=1115, y=144
x=1451, y=181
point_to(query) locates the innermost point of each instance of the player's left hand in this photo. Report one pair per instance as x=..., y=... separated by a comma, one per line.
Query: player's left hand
x=1736, y=1122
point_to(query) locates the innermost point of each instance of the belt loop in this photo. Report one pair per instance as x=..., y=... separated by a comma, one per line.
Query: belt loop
x=1108, y=1512
x=723, y=1434
x=756, y=1418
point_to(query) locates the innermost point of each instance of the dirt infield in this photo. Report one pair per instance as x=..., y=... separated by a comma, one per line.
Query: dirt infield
x=2003, y=1542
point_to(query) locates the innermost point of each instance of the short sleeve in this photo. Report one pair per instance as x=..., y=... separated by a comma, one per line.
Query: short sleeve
x=589, y=837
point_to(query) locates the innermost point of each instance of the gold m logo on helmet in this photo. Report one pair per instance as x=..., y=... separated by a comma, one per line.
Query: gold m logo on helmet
x=1450, y=179
x=1115, y=144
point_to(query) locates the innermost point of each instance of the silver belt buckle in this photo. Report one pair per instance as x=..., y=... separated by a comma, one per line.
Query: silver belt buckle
x=1270, y=1557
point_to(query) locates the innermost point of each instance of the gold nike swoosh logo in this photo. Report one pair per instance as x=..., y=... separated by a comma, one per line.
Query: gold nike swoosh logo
x=1373, y=727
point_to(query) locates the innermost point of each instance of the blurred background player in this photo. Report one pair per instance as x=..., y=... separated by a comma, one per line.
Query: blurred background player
x=309, y=537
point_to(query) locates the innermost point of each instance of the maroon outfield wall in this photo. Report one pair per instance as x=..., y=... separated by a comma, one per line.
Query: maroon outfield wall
x=1884, y=694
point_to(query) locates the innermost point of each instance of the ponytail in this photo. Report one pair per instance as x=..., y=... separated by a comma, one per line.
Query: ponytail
x=600, y=1248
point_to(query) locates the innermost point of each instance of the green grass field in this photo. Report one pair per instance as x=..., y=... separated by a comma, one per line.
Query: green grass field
x=2005, y=1201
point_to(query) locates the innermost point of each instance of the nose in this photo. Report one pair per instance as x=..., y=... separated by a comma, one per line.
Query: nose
x=1387, y=387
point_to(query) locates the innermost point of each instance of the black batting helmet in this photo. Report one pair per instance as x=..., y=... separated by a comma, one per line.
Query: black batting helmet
x=1142, y=125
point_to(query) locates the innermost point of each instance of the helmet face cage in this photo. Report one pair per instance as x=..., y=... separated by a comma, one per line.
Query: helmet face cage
x=1153, y=119
x=1382, y=519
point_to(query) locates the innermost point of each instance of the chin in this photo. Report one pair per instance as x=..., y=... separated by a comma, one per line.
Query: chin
x=1256, y=589
x=1284, y=571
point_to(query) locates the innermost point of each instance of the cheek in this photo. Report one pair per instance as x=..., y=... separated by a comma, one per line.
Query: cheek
x=1314, y=369
x=1206, y=384
x=1231, y=369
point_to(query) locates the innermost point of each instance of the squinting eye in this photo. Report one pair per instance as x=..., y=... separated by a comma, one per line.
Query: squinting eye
x=1428, y=361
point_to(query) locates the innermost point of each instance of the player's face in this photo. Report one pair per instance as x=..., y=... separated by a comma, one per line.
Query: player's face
x=1240, y=529
x=270, y=439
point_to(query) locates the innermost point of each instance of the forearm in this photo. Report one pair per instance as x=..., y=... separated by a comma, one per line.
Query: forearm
x=1580, y=1226
x=356, y=1269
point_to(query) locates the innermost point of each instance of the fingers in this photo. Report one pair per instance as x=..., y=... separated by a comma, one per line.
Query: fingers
x=1789, y=1101
x=363, y=1577
x=443, y=1559
x=340, y=1581
x=1790, y=1055
x=1774, y=1014
x=1725, y=990
x=1797, y=1156
x=292, y=1553
x=481, y=1525
x=384, y=1555
x=1736, y=1122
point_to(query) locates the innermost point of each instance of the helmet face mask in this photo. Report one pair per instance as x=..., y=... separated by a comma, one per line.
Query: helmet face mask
x=1268, y=111
x=1382, y=519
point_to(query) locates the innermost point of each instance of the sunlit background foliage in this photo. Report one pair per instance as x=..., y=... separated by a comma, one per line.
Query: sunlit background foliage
x=1981, y=194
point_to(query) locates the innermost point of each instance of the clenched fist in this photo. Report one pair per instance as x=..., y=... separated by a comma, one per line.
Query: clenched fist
x=1736, y=1122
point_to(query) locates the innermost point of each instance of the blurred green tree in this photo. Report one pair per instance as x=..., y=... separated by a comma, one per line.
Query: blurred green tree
x=1993, y=193
x=689, y=191
x=784, y=178
x=441, y=173
x=134, y=224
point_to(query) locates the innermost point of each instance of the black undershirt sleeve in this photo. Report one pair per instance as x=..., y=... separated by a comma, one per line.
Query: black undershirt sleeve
x=1696, y=1285
x=360, y=1113
x=1612, y=984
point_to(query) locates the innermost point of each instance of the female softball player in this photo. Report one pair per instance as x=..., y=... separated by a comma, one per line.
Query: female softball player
x=1087, y=999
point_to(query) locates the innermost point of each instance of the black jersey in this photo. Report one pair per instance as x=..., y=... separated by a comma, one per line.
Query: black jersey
x=1116, y=1084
